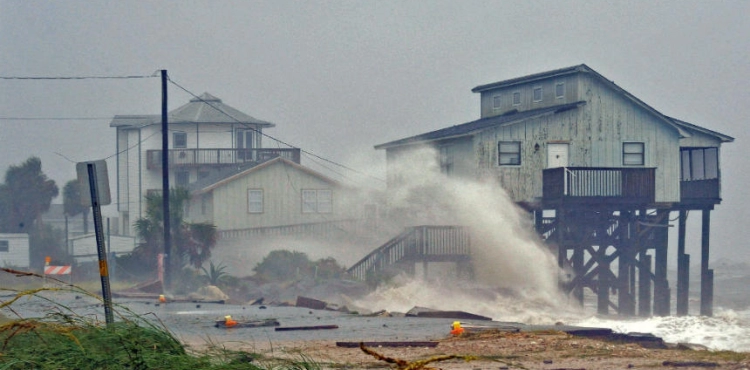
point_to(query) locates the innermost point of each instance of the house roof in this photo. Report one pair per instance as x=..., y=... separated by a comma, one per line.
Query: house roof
x=691, y=127
x=203, y=109
x=683, y=128
x=468, y=128
x=254, y=169
x=582, y=68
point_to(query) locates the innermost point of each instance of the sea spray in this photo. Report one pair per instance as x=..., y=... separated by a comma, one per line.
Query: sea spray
x=528, y=307
x=726, y=330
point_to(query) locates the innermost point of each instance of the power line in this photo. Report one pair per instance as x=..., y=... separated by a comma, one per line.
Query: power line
x=271, y=137
x=53, y=118
x=71, y=77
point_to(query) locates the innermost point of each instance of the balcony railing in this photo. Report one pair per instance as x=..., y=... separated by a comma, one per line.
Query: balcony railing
x=219, y=156
x=598, y=185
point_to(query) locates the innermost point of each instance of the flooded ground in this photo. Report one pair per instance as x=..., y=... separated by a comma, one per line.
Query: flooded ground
x=194, y=322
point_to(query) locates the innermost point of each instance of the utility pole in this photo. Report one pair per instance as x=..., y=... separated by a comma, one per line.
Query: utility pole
x=165, y=182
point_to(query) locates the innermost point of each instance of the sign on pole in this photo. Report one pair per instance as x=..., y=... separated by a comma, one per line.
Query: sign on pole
x=102, y=182
x=94, y=176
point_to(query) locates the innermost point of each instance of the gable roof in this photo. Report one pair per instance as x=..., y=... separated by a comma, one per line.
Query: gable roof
x=582, y=68
x=257, y=168
x=468, y=128
x=203, y=109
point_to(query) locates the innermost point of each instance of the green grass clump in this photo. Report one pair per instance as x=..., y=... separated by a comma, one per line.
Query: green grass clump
x=64, y=340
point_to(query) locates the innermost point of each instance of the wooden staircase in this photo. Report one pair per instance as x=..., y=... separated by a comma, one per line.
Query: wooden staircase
x=415, y=244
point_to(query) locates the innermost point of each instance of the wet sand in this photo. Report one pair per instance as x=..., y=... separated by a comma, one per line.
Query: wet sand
x=501, y=350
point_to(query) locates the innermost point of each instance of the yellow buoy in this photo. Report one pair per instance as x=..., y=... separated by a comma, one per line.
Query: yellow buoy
x=228, y=322
x=457, y=329
x=162, y=299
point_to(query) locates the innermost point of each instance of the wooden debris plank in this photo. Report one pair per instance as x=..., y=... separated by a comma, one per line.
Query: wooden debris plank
x=453, y=315
x=388, y=344
x=315, y=327
x=247, y=324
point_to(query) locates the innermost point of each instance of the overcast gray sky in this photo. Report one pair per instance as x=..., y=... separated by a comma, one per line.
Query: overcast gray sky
x=338, y=77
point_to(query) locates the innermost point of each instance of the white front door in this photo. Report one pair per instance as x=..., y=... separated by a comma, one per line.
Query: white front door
x=557, y=155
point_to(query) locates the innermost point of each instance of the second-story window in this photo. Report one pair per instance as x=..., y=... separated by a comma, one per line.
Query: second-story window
x=538, y=94
x=179, y=140
x=496, y=102
x=633, y=154
x=509, y=153
x=560, y=90
x=516, y=98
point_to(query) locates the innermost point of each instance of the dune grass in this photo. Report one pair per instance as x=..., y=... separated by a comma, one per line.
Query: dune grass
x=62, y=339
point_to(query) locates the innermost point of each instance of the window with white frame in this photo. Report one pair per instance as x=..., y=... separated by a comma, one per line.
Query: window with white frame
x=537, y=94
x=317, y=201
x=4, y=246
x=516, y=98
x=496, y=102
x=560, y=90
x=254, y=200
x=509, y=153
x=179, y=140
x=633, y=154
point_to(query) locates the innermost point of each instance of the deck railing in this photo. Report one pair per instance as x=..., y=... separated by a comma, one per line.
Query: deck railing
x=597, y=184
x=414, y=243
x=219, y=156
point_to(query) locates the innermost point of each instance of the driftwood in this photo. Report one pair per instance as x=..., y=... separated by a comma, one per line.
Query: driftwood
x=413, y=365
x=388, y=344
x=453, y=315
x=247, y=324
x=315, y=327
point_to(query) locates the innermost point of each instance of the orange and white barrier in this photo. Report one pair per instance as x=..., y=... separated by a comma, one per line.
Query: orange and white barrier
x=57, y=270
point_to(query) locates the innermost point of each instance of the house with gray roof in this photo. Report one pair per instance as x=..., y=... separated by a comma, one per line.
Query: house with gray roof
x=599, y=171
x=206, y=139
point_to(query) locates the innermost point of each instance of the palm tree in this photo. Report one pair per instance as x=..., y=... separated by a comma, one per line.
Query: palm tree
x=72, y=204
x=191, y=242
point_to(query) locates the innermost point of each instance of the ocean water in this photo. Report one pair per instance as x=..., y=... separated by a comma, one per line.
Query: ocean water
x=728, y=329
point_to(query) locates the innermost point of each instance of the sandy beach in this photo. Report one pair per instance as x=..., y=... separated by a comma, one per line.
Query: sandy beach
x=501, y=350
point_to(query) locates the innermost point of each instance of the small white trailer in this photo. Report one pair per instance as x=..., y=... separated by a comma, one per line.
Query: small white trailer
x=14, y=251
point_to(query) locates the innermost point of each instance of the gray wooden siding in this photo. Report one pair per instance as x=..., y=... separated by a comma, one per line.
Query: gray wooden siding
x=595, y=133
x=526, y=91
x=615, y=119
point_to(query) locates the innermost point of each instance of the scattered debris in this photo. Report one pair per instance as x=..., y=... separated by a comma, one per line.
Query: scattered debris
x=690, y=364
x=404, y=365
x=689, y=346
x=247, y=324
x=432, y=313
x=313, y=303
x=430, y=344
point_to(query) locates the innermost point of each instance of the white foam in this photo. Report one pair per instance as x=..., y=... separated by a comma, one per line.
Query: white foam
x=726, y=330
x=517, y=274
